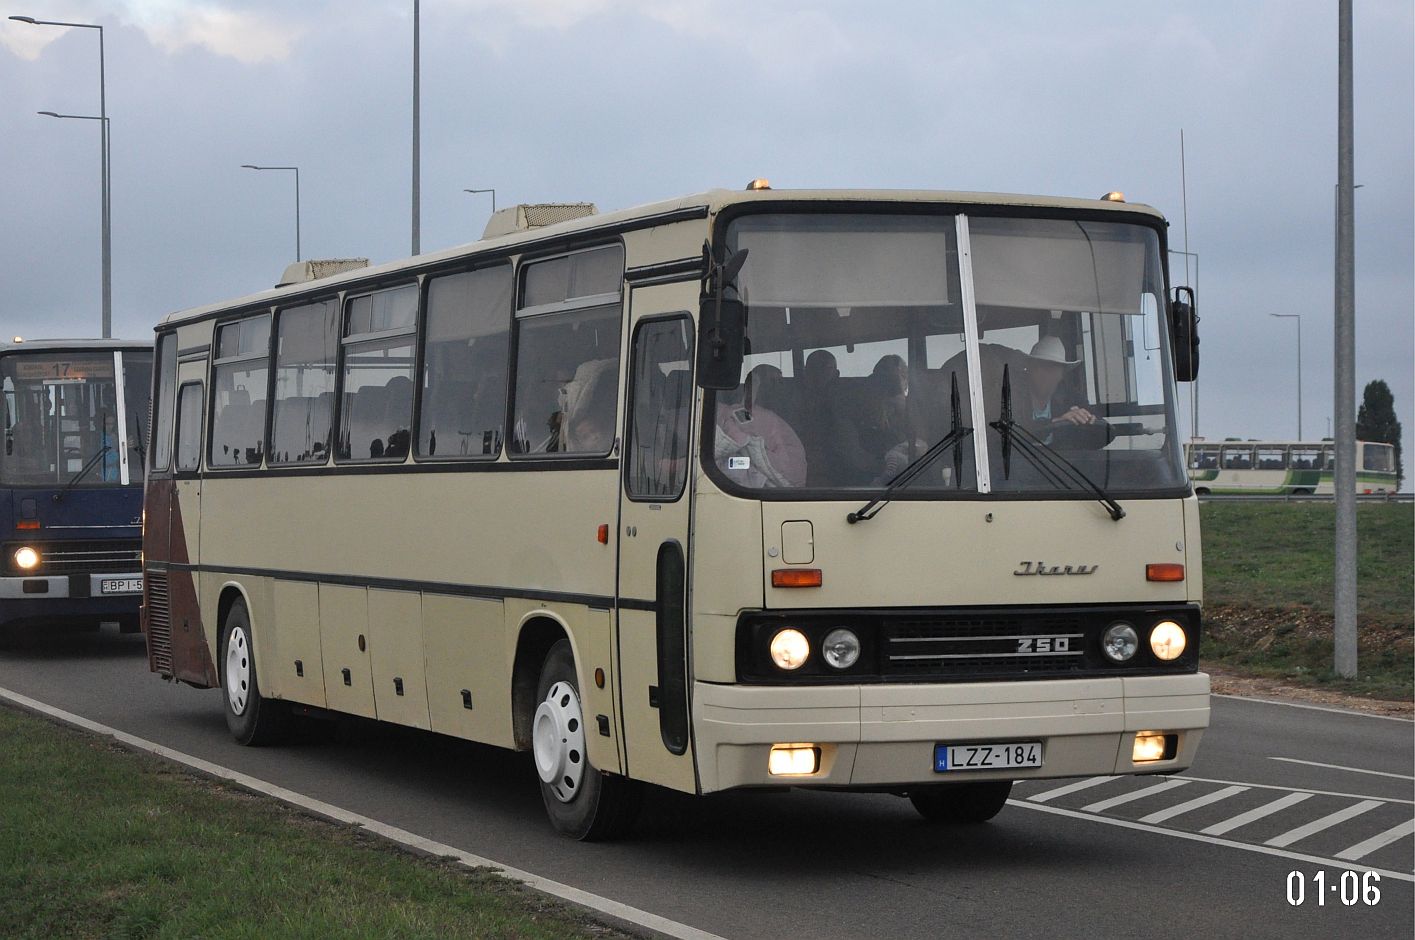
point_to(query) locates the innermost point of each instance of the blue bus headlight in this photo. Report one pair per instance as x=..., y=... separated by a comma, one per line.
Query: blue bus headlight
x=26, y=558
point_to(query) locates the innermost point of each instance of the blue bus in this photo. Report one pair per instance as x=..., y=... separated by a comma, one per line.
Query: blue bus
x=71, y=482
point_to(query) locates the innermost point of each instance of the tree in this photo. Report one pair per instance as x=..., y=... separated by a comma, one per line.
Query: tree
x=1376, y=421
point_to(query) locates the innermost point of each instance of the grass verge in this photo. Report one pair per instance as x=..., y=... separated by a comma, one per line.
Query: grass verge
x=1268, y=588
x=98, y=841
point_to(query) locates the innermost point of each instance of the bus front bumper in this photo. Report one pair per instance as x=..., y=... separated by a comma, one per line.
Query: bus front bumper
x=884, y=736
x=70, y=597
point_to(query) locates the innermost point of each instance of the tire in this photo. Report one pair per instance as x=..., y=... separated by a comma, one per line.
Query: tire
x=961, y=802
x=1201, y=491
x=253, y=719
x=581, y=801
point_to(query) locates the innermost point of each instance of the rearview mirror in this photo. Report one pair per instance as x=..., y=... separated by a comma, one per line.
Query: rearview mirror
x=1184, y=332
x=722, y=325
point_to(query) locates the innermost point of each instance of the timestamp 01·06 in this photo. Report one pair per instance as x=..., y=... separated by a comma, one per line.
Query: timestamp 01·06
x=1350, y=888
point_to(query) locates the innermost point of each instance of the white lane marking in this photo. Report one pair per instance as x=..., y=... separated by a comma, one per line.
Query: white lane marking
x=1196, y=803
x=1208, y=840
x=1362, y=849
x=1308, y=790
x=1267, y=809
x=1354, y=770
x=1133, y=795
x=1313, y=708
x=403, y=837
x=1326, y=822
x=1069, y=788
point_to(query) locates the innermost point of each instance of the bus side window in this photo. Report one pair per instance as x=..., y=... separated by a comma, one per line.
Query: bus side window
x=162, y=402
x=189, y=408
x=465, y=364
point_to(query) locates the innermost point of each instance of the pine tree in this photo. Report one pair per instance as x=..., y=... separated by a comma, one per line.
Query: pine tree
x=1376, y=421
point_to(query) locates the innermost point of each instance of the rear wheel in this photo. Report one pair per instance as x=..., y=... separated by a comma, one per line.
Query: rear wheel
x=582, y=802
x=253, y=719
x=961, y=802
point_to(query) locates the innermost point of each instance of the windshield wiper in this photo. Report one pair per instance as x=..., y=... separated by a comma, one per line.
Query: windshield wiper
x=1059, y=471
x=956, y=434
x=83, y=472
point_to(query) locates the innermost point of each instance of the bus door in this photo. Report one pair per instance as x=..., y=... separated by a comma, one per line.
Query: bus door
x=652, y=635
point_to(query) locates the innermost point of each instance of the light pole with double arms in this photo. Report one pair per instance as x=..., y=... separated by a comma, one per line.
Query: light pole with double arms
x=104, y=144
x=252, y=166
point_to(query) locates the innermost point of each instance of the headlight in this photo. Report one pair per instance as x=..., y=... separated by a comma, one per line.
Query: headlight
x=1119, y=642
x=790, y=648
x=26, y=558
x=841, y=648
x=1167, y=640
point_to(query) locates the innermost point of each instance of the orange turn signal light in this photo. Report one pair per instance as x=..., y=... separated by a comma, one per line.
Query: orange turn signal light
x=1164, y=572
x=603, y=534
x=27, y=524
x=796, y=577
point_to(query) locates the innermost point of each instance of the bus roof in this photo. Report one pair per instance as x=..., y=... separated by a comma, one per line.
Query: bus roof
x=710, y=202
x=88, y=345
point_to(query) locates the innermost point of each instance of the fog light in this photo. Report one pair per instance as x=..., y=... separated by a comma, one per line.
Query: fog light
x=26, y=558
x=1167, y=640
x=1149, y=746
x=841, y=648
x=793, y=760
x=790, y=648
x=1119, y=642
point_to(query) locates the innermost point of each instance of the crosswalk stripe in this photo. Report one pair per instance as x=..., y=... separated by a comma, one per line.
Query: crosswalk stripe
x=1195, y=803
x=1326, y=822
x=1069, y=788
x=1362, y=849
x=1267, y=809
x=1133, y=795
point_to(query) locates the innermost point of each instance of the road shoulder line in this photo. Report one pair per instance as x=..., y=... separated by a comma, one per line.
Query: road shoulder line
x=410, y=840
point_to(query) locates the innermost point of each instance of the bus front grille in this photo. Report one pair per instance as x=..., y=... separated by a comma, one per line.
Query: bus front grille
x=92, y=556
x=159, y=623
x=985, y=647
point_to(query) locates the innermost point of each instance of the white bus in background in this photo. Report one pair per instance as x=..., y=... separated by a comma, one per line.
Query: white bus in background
x=1297, y=468
x=871, y=490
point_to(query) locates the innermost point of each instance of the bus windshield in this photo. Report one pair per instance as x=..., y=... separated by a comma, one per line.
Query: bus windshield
x=871, y=336
x=62, y=417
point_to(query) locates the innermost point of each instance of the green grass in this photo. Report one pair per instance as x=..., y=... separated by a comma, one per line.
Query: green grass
x=97, y=841
x=1268, y=589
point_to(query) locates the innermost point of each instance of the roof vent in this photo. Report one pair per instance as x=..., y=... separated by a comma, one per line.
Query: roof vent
x=525, y=217
x=304, y=271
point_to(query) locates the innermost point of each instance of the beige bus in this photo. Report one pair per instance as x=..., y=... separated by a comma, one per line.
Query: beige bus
x=874, y=490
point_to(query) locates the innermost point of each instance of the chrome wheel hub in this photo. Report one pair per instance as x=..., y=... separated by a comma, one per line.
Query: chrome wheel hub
x=558, y=740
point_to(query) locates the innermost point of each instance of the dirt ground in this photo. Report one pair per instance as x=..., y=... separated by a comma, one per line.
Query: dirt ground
x=1227, y=683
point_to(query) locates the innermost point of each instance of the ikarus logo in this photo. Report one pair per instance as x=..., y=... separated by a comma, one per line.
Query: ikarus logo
x=1042, y=568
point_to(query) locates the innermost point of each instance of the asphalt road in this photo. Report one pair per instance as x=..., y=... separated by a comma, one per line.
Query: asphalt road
x=1102, y=857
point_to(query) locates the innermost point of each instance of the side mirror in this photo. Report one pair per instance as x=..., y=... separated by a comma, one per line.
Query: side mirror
x=722, y=327
x=1184, y=333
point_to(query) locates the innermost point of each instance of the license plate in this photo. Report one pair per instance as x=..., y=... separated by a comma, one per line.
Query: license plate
x=120, y=586
x=1013, y=754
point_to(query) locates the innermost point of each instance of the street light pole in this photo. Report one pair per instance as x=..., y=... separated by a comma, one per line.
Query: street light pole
x=106, y=209
x=417, y=159
x=493, y=196
x=251, y=166
x=1298, y=318
x=1345, y=365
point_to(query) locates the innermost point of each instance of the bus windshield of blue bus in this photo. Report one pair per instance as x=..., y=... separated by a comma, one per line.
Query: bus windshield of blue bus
x=62, y=417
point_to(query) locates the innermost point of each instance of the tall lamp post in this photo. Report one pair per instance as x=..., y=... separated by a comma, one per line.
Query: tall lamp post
x=251, y=166
x=1298, y=318
x=417, y=158
x=493, y=196
x=106, y=197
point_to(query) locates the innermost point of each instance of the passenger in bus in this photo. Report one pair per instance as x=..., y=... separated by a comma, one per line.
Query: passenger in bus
x=753, y=445
x=884, y=421
x=1045, y=406
x=834, y=454
x=587, y=408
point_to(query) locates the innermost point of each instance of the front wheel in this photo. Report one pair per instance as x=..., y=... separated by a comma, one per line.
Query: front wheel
x=961, y=802
x=253, y=719
x=582, y=802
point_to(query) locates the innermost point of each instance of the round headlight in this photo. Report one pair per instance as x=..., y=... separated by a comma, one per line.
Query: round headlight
x=1119, y=642
x=841, y=648
x=790, y=648
x=1167, y=640
x=26, y=558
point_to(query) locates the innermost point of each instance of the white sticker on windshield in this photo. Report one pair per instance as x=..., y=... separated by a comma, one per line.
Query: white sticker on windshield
x=739, y=463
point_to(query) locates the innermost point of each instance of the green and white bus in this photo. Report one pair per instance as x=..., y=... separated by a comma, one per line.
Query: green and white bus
x=1295, y=468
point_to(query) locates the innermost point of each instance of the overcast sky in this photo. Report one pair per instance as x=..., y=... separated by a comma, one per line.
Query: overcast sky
x=622, y=102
